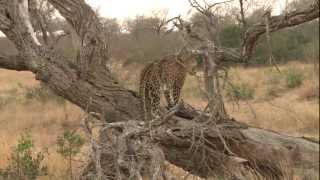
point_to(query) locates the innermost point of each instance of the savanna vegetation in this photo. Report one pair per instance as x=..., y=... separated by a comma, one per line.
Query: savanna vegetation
x=41, y=133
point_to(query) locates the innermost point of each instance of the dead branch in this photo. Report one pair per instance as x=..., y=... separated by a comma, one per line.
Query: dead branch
x=16, y=63
x=127, y=150
x=276, y=23
x=243, y=19
x=90, y=31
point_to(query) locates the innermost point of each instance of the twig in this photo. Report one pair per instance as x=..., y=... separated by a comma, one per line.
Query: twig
x=272, y=60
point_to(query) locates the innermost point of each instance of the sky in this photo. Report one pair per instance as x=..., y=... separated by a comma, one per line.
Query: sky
x=123, y=9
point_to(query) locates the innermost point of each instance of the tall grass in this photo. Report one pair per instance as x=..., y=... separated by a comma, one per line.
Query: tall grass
x=25, y=105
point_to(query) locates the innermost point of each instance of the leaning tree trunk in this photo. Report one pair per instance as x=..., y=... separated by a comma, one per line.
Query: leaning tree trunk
x=130, y=148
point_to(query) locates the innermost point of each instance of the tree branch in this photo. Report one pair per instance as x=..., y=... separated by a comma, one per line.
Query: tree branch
x=99, y=92
x=277, y=22
x=88, y=27
x=64, y=77
x=4, y=16
x=243, y=19
x=13, y=63
x=197, y=144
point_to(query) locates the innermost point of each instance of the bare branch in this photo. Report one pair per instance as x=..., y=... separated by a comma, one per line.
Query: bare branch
x=23, y=10
x=13, y=63
x=94, y=49
x=81, y=17
x=243, y=19
x=38, y=19
x=275, y=23
x=197, y=6
x=5, y=21
x=186, y=143
x=20, y=30
x=218, y=3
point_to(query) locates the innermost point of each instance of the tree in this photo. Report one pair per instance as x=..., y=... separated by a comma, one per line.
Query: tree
x=128, y=147
x=146, y=40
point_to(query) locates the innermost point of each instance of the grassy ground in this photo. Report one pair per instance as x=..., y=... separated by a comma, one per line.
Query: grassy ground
x=267, y=100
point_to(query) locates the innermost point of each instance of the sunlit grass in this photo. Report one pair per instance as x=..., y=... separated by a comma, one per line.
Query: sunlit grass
x=292, y=111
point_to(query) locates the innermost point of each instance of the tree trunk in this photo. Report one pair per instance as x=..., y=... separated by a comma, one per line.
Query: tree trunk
x=130, y=147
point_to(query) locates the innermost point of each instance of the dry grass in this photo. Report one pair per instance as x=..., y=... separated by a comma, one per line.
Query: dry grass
x=292, y=111
x=44, y=121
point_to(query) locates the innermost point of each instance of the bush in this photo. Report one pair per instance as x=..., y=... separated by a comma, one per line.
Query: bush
x=240, y=91
x=24, y=163
x=69, y=145
x=294, y=78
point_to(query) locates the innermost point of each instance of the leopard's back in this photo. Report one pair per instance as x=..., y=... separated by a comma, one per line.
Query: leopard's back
x=166, y=75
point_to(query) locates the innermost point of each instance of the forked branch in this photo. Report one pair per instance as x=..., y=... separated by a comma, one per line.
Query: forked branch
x=189, y=144
x=282, y=21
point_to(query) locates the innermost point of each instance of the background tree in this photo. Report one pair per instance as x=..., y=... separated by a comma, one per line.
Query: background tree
x=128, y=147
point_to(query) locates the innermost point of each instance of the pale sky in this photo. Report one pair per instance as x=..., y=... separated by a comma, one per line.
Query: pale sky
x=123, y=9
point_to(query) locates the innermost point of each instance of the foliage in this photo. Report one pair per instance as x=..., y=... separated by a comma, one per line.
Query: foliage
x=294, y=78
x=230, y=36
x=24, y=163
x=69, y=145
x=240, y=91
x=296, y=43
x=142, y=44
x=139, y=41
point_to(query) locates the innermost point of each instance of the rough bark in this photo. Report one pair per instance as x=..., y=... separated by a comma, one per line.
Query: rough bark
x=13, y=63
x=198, y=149
x=191, y=143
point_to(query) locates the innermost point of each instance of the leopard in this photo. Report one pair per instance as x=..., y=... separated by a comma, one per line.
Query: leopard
x=165, y=76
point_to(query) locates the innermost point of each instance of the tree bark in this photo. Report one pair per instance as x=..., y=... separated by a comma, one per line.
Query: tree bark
x=190, y=143
x=198, y=149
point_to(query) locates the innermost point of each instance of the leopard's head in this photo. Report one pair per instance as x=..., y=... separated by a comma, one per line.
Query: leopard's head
x=192, y=60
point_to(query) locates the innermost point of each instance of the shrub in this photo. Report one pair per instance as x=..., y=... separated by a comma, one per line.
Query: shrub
x=69, y=145
x=294, y=78
x=24, y=163
x=241, y=91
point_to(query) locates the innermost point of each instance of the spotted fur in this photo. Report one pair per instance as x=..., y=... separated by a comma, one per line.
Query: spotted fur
x=167, y=76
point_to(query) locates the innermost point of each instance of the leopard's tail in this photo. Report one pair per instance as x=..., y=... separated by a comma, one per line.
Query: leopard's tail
x=143, y=91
